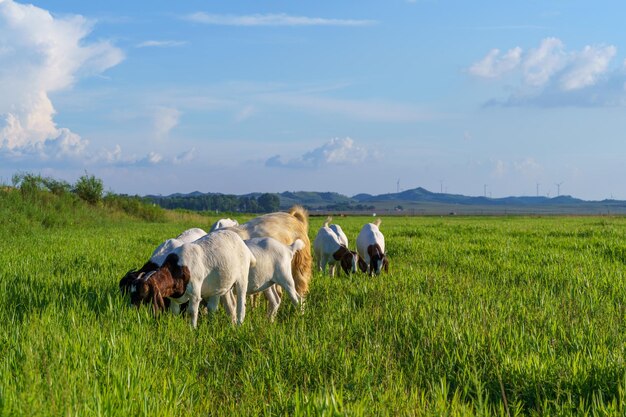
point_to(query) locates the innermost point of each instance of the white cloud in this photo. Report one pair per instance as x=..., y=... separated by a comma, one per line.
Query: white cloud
x=165, y=119
x=110, y=157
x=587, y=66
x=160, y=44
x=493, y=66
x=41, y=54
x=549, y=74
x=67, y=144
x=280, y=19
x=152, y=158
x=116, y=157
x=186, y=156
x=542, y=63
x=334, y=152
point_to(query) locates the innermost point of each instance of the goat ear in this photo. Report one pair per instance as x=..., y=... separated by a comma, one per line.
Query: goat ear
x=345, y=264
x=157, y=301
x=171, y=262
x=362, y=265
x=385, y=264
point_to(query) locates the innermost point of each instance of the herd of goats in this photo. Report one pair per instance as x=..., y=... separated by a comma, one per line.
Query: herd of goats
x=268, y=254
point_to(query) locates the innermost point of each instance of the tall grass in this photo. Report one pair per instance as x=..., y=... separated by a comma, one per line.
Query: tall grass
x=479, y=316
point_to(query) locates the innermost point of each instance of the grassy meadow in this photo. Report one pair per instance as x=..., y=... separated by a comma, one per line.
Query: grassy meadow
x=478, y=316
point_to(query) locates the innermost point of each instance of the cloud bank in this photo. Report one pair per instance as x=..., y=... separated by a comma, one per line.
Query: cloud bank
x=552, y=75
x=116, y=158
x=334, y=152
x=41, y=54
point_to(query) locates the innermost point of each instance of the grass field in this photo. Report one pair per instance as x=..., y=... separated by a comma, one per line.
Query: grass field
x=478, y=316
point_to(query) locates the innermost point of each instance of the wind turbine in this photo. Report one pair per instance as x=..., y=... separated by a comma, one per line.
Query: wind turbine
x=537, y=189
x=398, y=186
x=558, y=188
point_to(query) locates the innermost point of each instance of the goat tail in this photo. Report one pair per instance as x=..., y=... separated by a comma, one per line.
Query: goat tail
x=302, y=262
x=301, y=269
x=297, y=245
x=378, y=221
x=301, y=214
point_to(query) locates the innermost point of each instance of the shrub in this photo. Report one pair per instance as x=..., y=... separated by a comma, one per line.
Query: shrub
x=28, y=183
x=89, y=188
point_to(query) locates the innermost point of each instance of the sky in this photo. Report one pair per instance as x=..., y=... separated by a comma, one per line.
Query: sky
x=356, y=96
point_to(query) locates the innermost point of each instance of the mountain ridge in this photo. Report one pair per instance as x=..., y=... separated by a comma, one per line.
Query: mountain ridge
x=414, y=195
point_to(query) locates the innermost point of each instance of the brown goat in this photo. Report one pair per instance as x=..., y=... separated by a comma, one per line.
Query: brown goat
x=132, y=275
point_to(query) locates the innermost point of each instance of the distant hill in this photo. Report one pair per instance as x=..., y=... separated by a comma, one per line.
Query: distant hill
x=423, y=195
x=422, y=201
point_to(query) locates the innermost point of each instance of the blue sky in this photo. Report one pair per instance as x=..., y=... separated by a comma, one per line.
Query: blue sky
x=157, y=97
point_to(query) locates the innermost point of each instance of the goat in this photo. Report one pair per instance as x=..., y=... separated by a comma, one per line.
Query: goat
x=222, y=223
x=273, y=266
x=329, y=251
x=207, y=268
x=270, y=294
x=343, y=239
x=286, y=228
x=370, y=244
x=159, y=255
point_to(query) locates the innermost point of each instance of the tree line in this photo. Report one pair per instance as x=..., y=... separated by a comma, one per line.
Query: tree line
x=264, y=203
x=91, y=189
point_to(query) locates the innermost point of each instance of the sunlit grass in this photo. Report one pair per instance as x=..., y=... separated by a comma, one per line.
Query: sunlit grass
x=478, y=316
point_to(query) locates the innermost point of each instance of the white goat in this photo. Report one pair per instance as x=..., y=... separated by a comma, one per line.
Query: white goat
x=167, y=247
x=343, y=239
x=222, y=223
x=329, y=251
x=370, y=244
x=207, y=268
x=273, y=266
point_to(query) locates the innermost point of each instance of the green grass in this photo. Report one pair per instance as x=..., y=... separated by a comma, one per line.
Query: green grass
x=479, y=316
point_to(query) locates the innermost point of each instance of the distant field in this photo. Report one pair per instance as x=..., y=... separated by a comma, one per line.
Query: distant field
x=479, y=316
x=425, y=208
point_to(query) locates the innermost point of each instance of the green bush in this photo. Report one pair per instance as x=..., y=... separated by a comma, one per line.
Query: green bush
x=89, y=188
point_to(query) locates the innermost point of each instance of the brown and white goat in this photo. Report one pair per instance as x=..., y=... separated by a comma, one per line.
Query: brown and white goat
x=370, y=244
x=159, y=255
x=329, y=251
x=207, y=268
